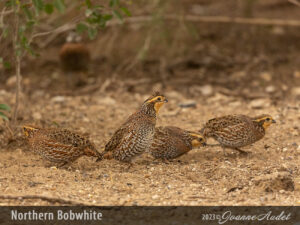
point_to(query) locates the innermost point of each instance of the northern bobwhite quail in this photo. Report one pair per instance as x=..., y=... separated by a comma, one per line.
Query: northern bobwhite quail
x=235, y=131
x=59, y=145
x=135, y=135
x=171, y=142
x=74, y=55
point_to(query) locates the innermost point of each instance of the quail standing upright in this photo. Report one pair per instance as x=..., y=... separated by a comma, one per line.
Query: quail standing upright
x=171, y=142
x=235, y=131
x=59, y=145
x=135, y=136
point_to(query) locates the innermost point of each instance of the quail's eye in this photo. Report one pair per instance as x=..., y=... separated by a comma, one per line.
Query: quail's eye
x=159, y=98
x=200, y=139
x=268, y=119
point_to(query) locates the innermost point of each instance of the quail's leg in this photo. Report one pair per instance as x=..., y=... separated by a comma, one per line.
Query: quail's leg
x=129, y=166
x=62, y=164
x=224, y=151
x=128, y=163
x=241, y=151
x=166, y=161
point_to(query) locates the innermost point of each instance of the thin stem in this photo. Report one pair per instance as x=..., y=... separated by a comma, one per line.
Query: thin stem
x=18, y=65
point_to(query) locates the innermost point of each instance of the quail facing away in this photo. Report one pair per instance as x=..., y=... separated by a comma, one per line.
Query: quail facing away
x=74, y=55
x=59, y=145
x=135, y=135
x=235, y=131
x=171, y=142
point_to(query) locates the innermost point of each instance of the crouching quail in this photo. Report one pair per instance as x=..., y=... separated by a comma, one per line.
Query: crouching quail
x=235, y=131
x=171, y=142
x=135, y=135
x=59, y=145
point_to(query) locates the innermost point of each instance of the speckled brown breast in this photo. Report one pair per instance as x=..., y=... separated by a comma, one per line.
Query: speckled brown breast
x=133, y=138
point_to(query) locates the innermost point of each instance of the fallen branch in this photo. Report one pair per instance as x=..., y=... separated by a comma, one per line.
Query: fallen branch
x=44, y=198
x=214, y=19
x=4, y=13
x=189, y=18
x=295, y=2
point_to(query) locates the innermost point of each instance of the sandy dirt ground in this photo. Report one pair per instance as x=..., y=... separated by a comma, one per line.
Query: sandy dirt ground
x=268, y=175
x=221, y=68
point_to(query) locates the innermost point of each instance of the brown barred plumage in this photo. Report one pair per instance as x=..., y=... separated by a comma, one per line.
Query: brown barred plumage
x=235, y=131
x=171, y=142
x=135, y=136
x=59, y=145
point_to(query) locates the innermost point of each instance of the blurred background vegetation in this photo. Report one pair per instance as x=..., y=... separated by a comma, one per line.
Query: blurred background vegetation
x=245, y=48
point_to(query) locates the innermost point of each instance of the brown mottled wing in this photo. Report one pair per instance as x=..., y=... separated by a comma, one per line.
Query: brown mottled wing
x=181, y=143
x=115, y=139
x=222, y=122
x=58, y=152
x=69, y=138
x=235, y=135
x=118, y=136
x=169, y=142
x=136, y=140
x=159, y=141
x=225, y=121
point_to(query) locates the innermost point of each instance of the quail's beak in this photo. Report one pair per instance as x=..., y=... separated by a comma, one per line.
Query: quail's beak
x=273, y=121
x=166, y=100
x=204, y=144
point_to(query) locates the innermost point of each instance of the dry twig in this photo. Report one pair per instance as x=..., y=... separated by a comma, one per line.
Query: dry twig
x=214, y=19
x=295, y=2
x=189, y=18
x=18, y=65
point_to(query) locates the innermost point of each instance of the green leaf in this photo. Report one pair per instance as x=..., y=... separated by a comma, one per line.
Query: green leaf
x=81, y=27
x=6, y=66
x=113, y=3
x=4, y=107
x=92, y=32
x=107, y=17
x=10, y=3
x=104, y=20
x=118, y=15
x=3, y=116
x=60, y=5
x=38, y=4
x=49, y=8
x=126, y=11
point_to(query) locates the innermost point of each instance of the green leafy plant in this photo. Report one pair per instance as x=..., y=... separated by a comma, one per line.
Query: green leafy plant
x=5, y=108
x=22, y=25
